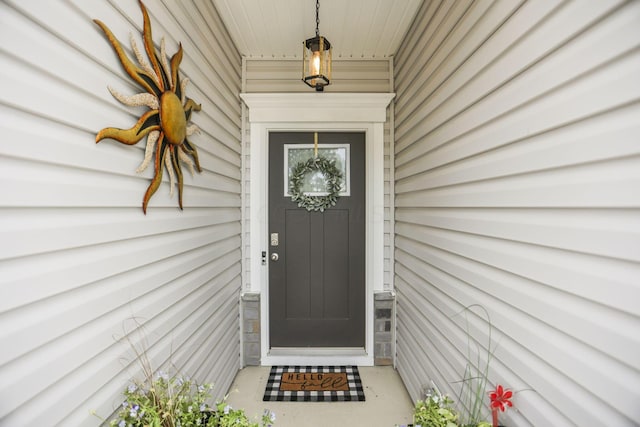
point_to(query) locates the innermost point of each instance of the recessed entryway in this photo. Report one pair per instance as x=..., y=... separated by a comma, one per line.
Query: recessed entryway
x=330, y=113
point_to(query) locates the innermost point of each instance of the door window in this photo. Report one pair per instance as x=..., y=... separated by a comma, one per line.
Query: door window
x=314, y=183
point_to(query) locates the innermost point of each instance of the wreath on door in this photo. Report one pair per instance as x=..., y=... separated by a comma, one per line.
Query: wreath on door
x=333, y=179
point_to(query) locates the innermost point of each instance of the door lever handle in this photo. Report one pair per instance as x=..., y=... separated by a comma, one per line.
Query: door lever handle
x=274, y=256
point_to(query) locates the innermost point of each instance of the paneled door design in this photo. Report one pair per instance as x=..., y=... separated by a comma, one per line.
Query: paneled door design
x=317, y=259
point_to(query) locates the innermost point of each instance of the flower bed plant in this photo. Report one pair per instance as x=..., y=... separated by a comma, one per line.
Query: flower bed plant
x=437, y=410
x=163, y=400
x=176, y=401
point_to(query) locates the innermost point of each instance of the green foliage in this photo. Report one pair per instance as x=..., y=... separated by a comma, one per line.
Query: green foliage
x=160, y=400
x=435, y=411
x=439, y=411
x=333, y=178
x=225, y=416
x=163, y=402
x=177, y=402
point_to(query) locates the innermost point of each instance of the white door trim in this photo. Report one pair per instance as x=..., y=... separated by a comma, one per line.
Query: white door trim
x=323, y=112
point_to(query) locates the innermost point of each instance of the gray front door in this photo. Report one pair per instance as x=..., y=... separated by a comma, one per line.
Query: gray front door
x=317, y=283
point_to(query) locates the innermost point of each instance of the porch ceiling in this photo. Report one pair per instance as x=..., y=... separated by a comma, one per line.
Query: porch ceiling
x=355, y=28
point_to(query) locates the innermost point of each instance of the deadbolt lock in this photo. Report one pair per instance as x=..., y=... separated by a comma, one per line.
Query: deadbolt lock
x=274, y=256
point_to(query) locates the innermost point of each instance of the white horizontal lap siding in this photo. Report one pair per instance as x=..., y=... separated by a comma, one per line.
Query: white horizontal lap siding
x=517, y=169
x=347, y=75
x=270, y=75
x=80, y=265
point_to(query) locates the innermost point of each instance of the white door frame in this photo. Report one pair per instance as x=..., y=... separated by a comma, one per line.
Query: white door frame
x=364, y=112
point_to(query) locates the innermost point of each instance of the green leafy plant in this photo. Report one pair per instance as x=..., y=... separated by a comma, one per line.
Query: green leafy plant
x=226, y=416
x=435, y=410
x=163, y=400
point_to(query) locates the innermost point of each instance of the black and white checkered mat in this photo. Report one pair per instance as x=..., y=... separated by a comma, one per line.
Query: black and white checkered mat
x=276, y=391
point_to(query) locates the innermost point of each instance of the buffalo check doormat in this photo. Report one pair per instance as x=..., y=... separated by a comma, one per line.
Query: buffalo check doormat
x=314, y=384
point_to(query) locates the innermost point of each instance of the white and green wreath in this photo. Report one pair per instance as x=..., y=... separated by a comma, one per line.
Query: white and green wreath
x=333, y=178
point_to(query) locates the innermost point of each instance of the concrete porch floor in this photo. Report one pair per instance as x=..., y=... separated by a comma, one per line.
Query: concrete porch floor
x=387, y=401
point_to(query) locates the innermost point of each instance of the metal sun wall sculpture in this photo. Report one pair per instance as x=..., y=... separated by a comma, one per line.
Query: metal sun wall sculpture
x=166, y=123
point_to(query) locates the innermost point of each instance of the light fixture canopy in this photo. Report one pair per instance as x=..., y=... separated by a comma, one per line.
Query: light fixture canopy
x=316, y=58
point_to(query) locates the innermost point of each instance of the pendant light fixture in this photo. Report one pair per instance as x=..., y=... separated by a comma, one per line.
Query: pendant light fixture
x=316, y=58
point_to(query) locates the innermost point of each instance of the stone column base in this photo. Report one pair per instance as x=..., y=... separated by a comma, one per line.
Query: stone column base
x=384, y=328
x=250, y=329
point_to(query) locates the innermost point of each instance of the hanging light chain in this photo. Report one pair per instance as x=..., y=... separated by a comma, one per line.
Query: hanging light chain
x=317, y=18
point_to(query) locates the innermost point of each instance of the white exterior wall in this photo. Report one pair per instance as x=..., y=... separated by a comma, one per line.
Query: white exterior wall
x=518, y=188
x=348, y=75
x=80, y=264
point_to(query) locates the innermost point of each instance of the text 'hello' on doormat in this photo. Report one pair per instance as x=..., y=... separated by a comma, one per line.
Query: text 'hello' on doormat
x=314, y=384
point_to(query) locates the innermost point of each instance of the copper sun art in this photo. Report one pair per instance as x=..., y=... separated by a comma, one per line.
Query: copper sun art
x=166, y=123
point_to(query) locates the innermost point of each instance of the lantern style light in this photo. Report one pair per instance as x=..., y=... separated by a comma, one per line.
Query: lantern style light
x=316, y=59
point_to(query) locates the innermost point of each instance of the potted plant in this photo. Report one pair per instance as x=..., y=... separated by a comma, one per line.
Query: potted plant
x=175, y=401
x=163, y=400
x=439, y=411
x=435, y=411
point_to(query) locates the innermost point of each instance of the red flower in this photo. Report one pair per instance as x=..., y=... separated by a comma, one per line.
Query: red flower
x=500, y=398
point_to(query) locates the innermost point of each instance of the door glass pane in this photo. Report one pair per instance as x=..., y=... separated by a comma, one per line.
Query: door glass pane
x=314, y=182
